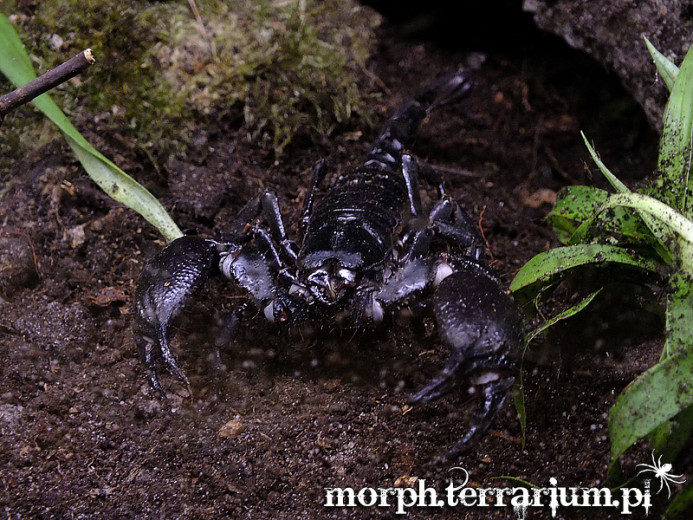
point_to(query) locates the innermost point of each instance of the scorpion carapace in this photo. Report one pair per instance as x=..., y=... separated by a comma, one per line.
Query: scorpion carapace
x=367, y=251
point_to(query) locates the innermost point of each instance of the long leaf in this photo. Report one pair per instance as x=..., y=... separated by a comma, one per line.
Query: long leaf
x=669, y=438
x=677, y=136
x=578, y=204
x=668, y=220
x=658, y=231
x=574, y=205
x=679, y=314
x=653, y=398
x=16, y=65
x=666, y=68
x=545, y=265
x=676, y=145
x=568, y=313
x=665, y=214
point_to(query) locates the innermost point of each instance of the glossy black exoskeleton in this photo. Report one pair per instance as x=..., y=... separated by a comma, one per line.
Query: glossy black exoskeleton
x=368, y=249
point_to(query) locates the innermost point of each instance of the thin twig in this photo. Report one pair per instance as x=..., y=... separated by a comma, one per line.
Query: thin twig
x=483, y=235
x=44, y=83
x=460, y=172
x=196, y=13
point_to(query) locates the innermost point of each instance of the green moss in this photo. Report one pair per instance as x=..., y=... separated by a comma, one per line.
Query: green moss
x=290, y=66
x=123, y=89
x=285, y=67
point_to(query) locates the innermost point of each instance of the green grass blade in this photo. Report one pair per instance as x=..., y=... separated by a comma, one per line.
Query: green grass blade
x=576, y=205
x=545, y=265
x=676, y=145
x=613, y=180
x=666, y=215
x=15, y=64
x=123, y=188
x=666, y=68
x=679, y=314
x=653, y=398
x=669, y=438
x=518, y=392
x=568, y=313
x=18, y=61
x=666, y=219
x=658, y=231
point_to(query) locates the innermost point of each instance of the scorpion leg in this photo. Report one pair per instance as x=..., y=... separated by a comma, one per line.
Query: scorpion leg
x=270, y=210
x=495, y=394
x=177, y=271
x=413, y=167
x=266, y=205
x=410, y=174
x=449, y=222
x=456, y=227
x=419, y=271
x=319, y=171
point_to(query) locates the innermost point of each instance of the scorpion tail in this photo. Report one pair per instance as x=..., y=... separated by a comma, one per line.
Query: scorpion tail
x=446, y=90
x=397, y=132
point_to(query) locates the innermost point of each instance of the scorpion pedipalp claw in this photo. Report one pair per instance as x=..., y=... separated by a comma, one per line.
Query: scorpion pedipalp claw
x=494, y=397
x=482, y=325
x=177, y=271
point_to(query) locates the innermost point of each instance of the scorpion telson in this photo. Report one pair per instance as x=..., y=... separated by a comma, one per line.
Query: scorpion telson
x=368, y=249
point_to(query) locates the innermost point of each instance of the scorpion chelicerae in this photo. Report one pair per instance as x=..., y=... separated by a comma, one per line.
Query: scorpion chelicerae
x=368, y=250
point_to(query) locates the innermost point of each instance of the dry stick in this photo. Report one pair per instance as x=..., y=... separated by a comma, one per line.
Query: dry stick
x=196, y=13
x=44, y=83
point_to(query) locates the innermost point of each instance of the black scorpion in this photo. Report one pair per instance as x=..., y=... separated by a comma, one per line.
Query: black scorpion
x=368, y=250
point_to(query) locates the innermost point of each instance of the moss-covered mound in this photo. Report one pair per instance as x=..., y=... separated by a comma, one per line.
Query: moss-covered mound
x=279, y=68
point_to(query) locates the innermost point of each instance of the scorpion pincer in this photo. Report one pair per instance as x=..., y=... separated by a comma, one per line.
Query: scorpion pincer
x=367, y=250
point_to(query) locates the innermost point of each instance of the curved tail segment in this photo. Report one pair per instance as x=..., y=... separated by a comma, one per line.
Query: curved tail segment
x=387, y=149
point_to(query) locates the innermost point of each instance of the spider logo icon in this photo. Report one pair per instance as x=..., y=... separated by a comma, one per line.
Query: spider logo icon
x=662, y=472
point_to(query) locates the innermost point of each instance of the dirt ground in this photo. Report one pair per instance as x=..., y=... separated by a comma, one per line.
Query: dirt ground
x=271, y=423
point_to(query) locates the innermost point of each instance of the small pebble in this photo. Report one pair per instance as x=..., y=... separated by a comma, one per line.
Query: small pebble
x=231, y=429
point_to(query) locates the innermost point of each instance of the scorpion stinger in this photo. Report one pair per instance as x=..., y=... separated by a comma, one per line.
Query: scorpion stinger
x=368, y=249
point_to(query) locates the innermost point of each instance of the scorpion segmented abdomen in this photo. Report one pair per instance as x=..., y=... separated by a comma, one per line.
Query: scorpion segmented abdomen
x=355, y=222
x=398, y=131
x=396, y=135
